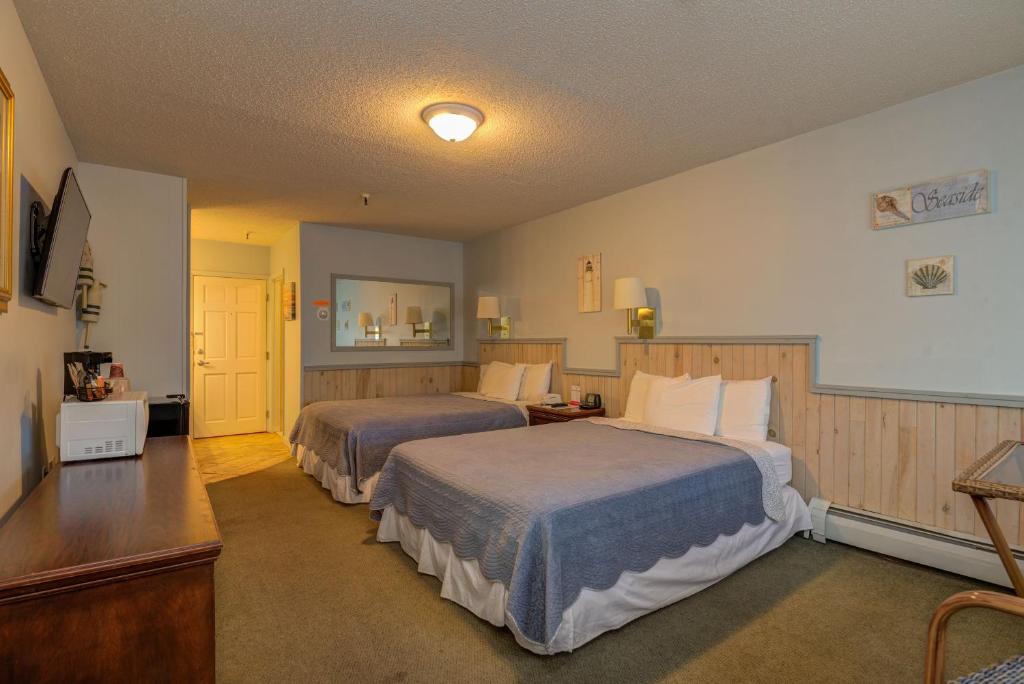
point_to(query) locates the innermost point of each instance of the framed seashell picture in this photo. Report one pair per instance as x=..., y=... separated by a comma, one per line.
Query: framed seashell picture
x=930, y=276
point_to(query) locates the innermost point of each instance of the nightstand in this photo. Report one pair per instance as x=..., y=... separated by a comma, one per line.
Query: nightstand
x=542, y=415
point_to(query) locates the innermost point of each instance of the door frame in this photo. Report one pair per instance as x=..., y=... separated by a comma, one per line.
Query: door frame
x=275, y=346
x=271, y=360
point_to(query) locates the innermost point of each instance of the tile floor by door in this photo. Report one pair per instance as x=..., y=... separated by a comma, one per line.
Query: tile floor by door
x=221, y=458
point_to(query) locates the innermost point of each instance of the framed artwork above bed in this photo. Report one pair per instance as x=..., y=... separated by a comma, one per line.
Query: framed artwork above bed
x=588, y=277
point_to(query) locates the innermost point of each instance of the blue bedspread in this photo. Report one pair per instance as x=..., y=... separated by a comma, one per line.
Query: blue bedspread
x=356, y=436
x=553, y=509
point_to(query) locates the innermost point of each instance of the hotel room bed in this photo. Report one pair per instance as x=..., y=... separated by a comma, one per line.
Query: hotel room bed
x=343, y=444
x=563, y=532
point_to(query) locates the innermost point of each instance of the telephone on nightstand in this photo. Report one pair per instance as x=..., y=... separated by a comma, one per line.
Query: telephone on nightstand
x=551, y=400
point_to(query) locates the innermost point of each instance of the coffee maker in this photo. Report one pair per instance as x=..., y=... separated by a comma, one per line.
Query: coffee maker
x=90, y=361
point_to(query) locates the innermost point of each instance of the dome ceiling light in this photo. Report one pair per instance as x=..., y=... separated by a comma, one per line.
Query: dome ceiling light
x=452, y=121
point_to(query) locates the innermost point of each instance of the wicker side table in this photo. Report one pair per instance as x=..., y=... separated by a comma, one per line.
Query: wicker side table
x=999, y=474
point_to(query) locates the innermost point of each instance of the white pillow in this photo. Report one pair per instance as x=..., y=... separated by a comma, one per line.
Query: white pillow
x=746, y=405
x=502, y=380
x=690, y=406
x=536, y=381
x=638, y=388
x=480, y=380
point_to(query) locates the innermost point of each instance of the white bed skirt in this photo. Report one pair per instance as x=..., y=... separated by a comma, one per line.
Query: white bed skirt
x=340, y=486
x=596, y=612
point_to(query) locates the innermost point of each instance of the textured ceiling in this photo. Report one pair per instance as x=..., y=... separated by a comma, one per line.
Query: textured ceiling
x=278, y=111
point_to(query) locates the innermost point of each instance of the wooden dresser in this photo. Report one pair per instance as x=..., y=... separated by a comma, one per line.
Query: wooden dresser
x=106, y=573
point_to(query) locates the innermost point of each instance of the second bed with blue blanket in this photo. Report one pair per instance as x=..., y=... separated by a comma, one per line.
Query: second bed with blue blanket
x=551, y=511
x=344, y=443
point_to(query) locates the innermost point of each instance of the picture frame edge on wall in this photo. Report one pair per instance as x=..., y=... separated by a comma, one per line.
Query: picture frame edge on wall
x=6, y=192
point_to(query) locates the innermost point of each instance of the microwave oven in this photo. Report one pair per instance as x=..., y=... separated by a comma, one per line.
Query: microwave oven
x=111, y=428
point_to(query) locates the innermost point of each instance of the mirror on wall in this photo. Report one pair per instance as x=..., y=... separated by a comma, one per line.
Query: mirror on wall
x=378, y=314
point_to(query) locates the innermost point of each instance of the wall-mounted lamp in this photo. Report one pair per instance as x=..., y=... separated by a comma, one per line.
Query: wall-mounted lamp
x=487, y=309
x=414, y=317
x=631, y=295
x=370, y=329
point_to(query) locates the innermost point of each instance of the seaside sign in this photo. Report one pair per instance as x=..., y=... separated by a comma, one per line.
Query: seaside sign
x=934, y=200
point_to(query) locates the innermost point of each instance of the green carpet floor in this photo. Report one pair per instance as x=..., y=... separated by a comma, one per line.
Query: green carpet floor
x=305, y=593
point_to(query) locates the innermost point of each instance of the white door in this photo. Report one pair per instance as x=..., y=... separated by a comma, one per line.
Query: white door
x=229, y=366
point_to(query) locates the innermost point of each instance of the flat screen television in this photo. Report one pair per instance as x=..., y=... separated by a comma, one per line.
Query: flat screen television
x=60, y=244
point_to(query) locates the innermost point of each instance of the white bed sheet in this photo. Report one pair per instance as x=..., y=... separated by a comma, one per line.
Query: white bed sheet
x=341, y=486
x=521, y=405
x=781, y=455
x=596, y=612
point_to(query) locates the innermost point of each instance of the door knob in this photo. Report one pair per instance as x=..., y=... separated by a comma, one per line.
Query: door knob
x=200, y=362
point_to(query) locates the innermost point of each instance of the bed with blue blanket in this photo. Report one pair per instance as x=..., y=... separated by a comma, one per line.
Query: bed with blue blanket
x=344, y=444
x=563, y=532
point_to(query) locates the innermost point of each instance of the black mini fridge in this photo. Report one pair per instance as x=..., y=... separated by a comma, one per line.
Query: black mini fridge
x=168, y=416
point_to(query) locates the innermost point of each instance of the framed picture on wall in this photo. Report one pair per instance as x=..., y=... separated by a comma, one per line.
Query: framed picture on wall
x=933, y=200
x=6, y=192
x=393, y=310
x=288, y=301
x=588, y=282
x=930, y=276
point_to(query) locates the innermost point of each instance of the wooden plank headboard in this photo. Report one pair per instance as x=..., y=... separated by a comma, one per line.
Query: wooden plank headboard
x=891, y=456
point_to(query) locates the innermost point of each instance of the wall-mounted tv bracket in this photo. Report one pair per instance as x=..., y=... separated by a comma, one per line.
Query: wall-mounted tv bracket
x=38, y=229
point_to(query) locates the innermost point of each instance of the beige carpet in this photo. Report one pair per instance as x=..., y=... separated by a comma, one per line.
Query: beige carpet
x=221, y=458
x=304, y=593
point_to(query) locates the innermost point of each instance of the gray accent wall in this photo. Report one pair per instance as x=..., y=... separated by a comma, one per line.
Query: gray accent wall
x=139, y=240
x=779, y=239
x=326, y=250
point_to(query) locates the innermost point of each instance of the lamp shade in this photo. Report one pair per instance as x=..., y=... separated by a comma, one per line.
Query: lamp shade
x=629, y=293
x=365, y=319
x=414, y=315
x=487, y=307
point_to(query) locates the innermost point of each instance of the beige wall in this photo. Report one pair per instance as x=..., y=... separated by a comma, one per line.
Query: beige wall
x=33, y=336
x=778, y=241
x=139, y=240
x=212, y=257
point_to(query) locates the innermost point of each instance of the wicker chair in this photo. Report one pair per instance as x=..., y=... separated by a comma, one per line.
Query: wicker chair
x=1010, y=671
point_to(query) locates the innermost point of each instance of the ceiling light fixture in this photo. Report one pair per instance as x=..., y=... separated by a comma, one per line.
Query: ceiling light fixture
x=452, y=121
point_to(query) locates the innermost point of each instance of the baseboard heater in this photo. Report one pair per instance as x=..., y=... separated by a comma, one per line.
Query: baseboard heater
x=938, y=549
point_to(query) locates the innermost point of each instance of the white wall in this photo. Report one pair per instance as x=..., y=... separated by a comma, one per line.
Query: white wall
x=778, y=241
x=331, y=249
x=211, y=257
x=285, y=259
x=139, y=240
x=33, y=336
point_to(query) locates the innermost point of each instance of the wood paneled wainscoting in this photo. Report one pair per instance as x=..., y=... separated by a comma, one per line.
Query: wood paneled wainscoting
x=888, y=452
x=366, y=382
